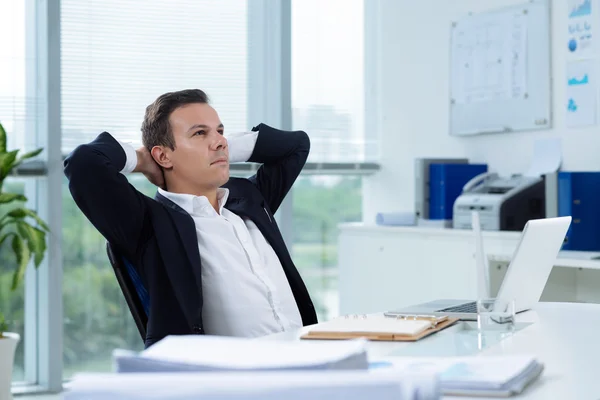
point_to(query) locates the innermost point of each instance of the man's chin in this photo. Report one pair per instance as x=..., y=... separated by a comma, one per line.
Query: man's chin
x=225, y=179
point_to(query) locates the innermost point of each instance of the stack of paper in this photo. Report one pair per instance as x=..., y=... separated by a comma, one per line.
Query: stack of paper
x=212, y=353
x=289, y=385
x=476, y=376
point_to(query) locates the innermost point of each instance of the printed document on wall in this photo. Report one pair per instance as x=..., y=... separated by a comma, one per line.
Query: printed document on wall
x=581, y=94
x=580, y=24
x=489, y=58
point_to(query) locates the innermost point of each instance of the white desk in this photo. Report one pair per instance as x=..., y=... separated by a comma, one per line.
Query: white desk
x=564, y=336
x=383, y=267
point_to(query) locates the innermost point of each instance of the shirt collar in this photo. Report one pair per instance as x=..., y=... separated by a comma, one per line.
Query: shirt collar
x=197, y=205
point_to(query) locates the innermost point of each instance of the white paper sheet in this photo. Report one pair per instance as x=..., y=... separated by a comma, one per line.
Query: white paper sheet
x=547, y=156
x=328, y=385
x=492, y=375
x=212, y=353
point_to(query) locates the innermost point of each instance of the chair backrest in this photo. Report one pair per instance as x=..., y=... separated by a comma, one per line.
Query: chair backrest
x=132, y=287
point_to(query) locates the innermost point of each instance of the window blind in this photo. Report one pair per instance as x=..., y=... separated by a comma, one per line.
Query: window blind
x=328, y=79
x=17, y=105
x=119, y=56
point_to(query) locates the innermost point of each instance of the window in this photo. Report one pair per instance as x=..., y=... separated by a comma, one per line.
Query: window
x=327, y=79
x=320, y=203
x=327, y=103
x=18, y=116
x=15, y=104
x=97, y=318
x=12, y=304
x=13, y=310
x=117, y=57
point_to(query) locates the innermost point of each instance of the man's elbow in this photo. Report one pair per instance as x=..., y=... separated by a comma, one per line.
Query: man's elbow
x=78, y=160
x=303, y=141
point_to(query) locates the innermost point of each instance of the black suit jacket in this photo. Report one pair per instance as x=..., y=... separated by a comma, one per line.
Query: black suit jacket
x=159, y=237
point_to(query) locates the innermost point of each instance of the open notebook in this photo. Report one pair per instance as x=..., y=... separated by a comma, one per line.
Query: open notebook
x=378, y=327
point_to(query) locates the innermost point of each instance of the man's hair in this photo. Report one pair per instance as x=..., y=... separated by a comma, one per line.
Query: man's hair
x=156, y=130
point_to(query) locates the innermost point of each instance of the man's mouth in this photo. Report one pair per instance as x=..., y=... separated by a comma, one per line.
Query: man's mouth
x=219, y=161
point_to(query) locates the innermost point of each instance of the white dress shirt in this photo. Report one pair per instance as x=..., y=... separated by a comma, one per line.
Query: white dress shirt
x=245, y=290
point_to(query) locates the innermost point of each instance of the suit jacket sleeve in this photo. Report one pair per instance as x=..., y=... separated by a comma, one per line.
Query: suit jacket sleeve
x=115, y=208
x=282, y=155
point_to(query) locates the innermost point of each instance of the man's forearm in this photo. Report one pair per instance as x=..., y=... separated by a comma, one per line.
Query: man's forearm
x=282, y=155
x=131, y=165
x=275, y=146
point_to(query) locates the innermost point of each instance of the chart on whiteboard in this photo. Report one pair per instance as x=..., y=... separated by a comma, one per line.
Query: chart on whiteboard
x=489, y=59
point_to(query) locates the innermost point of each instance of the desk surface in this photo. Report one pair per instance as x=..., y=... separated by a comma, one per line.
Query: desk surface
x=564, y=336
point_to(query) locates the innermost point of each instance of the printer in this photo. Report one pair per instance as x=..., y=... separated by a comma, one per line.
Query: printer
x=504, y=204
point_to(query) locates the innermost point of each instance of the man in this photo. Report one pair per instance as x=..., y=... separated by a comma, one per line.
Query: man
x=207, y=247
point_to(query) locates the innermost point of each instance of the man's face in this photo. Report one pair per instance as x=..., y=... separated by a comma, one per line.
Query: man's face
x=201, y=157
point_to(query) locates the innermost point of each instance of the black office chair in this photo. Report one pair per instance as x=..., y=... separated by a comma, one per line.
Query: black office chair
x=132, y=287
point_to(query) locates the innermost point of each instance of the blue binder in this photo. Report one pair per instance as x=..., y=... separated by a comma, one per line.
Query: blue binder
x=445, y=185
x=579, y=197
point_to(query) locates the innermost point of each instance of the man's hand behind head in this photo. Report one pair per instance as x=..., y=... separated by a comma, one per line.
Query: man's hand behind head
x=147, y=166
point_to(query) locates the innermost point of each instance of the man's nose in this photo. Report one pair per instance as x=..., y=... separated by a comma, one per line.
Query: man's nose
x=219, y=142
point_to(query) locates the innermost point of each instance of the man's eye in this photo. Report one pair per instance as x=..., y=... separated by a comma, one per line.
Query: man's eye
x=220, y=133
x=200, y=133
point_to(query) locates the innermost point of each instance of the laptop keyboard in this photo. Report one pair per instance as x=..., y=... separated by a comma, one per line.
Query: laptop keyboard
x=470, y=308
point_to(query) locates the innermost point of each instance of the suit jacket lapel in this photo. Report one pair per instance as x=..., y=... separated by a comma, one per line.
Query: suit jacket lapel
x=185, y=227
x=190, y=295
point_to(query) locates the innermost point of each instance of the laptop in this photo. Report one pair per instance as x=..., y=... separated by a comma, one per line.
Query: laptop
x=525, y=279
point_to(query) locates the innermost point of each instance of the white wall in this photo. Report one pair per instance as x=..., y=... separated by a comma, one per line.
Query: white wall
x=407, y=80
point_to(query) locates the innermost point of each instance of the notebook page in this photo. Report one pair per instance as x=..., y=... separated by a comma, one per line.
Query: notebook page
x=373, y=325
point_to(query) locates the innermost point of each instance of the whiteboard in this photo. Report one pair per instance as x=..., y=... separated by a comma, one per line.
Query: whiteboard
x=500, y=70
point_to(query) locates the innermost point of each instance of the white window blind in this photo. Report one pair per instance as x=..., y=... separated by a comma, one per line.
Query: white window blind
x=328, y=79
x=17, y=106
x=118, y=56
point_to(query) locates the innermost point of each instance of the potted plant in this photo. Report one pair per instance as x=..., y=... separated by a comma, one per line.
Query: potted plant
x=25, y=240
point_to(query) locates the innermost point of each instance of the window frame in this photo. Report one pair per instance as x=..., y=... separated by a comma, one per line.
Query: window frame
x=269, y=101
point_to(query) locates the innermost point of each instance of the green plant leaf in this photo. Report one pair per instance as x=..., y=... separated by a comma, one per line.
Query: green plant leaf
x=24, y=212
x=36, y=240
x=8, y=197
x=23, y=255
x=2, y=139
x=6, y=236
x=31, y=154
x=17, y=213
x=7, y=161
x=3, y=325
x=5, y=221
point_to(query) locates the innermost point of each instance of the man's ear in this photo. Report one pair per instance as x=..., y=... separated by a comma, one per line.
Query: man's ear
x=161, y=156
